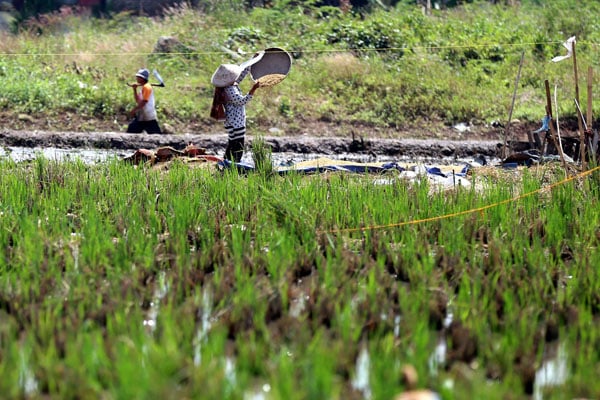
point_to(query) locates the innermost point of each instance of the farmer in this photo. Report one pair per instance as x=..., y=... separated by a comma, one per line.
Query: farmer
x=229, y=105
x=144, y=112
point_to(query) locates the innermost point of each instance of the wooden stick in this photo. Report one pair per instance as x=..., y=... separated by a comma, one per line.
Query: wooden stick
x=588, y=142
x=553, y=134
x=589, y=98
x=579, y=121
x=580, y=113
x=591, y=148
x=512, y=105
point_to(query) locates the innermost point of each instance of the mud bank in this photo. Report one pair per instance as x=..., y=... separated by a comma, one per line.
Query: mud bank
x=433, y=148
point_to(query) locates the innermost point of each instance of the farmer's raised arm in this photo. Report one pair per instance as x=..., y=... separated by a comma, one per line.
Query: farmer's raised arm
x=235, y=97
x=243, y=75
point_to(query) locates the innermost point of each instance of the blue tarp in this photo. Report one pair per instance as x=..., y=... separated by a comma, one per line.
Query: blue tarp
x=328, y=165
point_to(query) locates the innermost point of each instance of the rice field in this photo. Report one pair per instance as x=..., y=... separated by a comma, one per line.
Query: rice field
x=121, y=281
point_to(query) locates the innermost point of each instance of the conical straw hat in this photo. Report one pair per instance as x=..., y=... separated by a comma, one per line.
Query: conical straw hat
x=225, y=75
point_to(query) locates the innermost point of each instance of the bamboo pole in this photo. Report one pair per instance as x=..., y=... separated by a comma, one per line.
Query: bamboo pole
x=512, y=106
x=591, y=147
x=579, y=120
x=589, y=98
x=553, y=134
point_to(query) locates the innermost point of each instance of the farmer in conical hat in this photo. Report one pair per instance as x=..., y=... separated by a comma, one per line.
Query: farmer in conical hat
x=144, y=112
x=229, y=105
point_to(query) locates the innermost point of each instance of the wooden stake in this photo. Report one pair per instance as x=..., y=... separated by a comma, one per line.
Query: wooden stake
x=579, y=121
x=591, y=147
x=589, y=98
x=512, y=106
x=553, y=134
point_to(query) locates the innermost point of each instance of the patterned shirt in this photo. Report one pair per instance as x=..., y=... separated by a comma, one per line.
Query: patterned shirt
x=235, y=108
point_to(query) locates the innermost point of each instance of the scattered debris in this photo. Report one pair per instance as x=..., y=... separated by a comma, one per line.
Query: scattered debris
x=168, y=153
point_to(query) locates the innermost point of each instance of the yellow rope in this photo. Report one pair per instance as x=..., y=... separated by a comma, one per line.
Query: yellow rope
x=456, y=214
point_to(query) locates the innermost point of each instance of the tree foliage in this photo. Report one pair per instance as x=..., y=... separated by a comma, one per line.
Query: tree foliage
x=32, y=8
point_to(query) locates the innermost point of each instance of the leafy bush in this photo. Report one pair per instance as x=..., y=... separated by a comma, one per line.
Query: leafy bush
x=385, y=68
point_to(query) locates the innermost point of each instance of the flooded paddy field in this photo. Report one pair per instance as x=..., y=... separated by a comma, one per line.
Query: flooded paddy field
x=92, y=155
x=119, y=281
x=99, y=146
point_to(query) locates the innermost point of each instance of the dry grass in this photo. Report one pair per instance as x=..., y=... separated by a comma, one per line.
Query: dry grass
x=343, y=65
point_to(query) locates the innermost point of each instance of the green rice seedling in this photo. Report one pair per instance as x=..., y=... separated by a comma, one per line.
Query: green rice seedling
x=317, y=368
x=283, y=376
x=107, y=270
x=261, y=154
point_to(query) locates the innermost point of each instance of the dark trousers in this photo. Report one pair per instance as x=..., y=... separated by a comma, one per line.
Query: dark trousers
x=136, y=126
x=235, y=150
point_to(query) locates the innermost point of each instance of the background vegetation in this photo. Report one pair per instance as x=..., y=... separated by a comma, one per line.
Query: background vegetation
x=381, y=68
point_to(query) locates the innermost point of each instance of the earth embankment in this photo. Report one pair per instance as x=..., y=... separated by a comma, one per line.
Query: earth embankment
x=289, y=144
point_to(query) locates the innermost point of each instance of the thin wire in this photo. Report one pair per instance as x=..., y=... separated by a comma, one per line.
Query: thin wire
x=380, y=49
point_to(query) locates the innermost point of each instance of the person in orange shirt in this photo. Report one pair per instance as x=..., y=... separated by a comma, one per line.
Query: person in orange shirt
x=144, y=112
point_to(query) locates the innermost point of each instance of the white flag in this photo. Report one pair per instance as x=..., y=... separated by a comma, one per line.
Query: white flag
x=569, y=46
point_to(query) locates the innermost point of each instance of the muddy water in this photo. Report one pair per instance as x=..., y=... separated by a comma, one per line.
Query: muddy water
x=93, y=155
x=89, y=156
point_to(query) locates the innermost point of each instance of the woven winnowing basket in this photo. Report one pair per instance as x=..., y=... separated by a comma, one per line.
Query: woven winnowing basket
x=273, y=67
